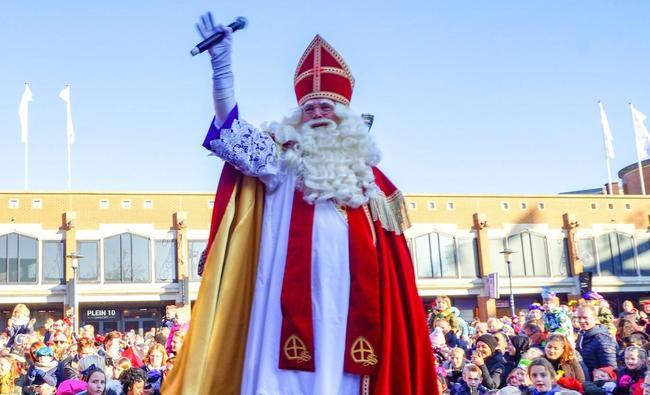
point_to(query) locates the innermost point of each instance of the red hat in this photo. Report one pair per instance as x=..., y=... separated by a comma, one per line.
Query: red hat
x=609, y=370
x=322, y=73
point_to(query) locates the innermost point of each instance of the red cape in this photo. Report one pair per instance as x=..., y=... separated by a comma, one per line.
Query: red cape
x=407, y=364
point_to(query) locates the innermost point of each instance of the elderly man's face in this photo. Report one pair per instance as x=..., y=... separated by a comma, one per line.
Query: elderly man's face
x=318, y=109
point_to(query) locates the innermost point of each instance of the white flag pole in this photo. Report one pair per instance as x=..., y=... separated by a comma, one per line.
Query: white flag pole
x=609, y=174
x=23, y=114
x=636, y=125
x=69, y=168
x=65, y=96
x=26, y=165
x=609, y=148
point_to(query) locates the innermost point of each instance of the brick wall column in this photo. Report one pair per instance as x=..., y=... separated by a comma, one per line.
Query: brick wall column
x=570, y=224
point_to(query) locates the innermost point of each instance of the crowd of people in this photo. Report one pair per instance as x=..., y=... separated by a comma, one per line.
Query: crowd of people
x=56, y=359
x=550, y=348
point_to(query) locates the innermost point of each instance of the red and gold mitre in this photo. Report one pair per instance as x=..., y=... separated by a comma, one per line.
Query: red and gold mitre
x=322, y=73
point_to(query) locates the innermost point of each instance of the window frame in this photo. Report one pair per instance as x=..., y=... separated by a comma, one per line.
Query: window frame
x=156, y=278
x=456, y=256
x=42, y=262
x=37, y=273
x=149, y=259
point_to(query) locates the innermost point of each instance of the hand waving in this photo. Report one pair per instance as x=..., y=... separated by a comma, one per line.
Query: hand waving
x=207, y=28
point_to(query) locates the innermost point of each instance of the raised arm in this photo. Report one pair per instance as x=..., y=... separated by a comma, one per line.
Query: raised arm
x=223, y=87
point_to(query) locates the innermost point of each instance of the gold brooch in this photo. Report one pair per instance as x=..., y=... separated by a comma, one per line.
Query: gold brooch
x=362, y=352
x=295, y=350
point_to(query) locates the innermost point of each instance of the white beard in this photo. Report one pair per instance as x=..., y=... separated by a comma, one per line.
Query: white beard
x=332, y=162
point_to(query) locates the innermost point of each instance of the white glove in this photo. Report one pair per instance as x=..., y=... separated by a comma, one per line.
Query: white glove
x=609, y=386
x=223, y=90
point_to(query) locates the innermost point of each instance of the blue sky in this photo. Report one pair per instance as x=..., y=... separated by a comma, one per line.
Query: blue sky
x=468, y=96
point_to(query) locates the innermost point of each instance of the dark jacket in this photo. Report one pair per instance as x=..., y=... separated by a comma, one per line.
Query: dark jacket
x=597, y=347
x=624, y=384
x=461, y=388
x=494, y=371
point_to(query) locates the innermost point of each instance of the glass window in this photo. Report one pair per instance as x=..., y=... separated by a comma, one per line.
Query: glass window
x=196, y=248
x=438, y=255
x=587, y=255
x=530, y=257
x=18, y=258
x=3, y=259
x=12, y=258
x=540, y=255
x=559, y=257
x=626, y=251
x=139, y=259
x=53, y=261
x=165, y=260
x=517, y=260
x=468, y=257
x=447, y=255
x=643, y=248
x=435, y=255
x=126, y=258
x=89, y=263
x=616, y=254
x=112, y=261
x=497, y=260
x=423, y=257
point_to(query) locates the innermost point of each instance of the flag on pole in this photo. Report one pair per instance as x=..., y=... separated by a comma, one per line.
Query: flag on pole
x=23, y=112
x=607, y=133
x=65, y=96
x=641, y=133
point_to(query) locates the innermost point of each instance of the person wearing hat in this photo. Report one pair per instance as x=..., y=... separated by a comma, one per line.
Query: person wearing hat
x=307, y=278
x=490, y=360
x=43, y=371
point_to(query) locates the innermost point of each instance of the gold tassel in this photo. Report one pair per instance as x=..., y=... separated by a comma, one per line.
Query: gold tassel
x=390, y=211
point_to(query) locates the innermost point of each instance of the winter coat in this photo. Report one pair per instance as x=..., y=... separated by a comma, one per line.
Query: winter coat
x=39, y=374
x=597, y=348
x=627, y=378
x=461, y=388
x=494, y=371
x=571, y=369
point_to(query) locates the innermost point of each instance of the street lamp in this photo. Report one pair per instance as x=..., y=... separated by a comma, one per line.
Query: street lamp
x=74, y=257
x=507, y=252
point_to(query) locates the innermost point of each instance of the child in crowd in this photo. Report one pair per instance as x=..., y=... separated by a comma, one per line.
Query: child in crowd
x=454, y=365
x=543, y=376
x=470, y=383
x=95, y=379
x=43, y=371
x=19, y=324
x=443, y=310
x=518, y=377
x=439, y=345
x=604, y=379
x=634, y=370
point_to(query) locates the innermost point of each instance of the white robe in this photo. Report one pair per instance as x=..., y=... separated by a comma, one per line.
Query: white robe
x=330, y=281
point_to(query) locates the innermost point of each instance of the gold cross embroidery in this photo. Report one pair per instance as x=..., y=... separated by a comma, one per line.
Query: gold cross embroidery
x=295, y=350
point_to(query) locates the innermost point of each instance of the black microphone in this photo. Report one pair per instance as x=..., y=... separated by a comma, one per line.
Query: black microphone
x=239, y=23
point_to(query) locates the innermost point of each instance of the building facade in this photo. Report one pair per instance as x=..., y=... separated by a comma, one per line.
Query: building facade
x=122, y=257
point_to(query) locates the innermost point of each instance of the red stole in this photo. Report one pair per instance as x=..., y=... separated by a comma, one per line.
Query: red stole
x=364, y=322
